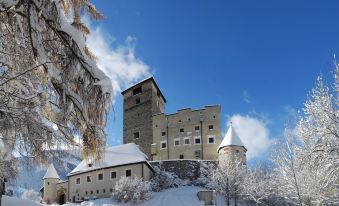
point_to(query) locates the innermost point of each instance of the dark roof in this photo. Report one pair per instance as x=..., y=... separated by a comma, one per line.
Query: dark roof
x=143, y=81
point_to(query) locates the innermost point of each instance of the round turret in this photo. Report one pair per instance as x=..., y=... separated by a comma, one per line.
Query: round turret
x=51, y=180
x=232, y=148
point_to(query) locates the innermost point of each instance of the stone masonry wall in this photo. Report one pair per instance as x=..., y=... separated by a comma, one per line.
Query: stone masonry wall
x=184, y=169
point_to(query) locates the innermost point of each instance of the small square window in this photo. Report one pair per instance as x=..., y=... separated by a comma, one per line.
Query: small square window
x=197, y=140
x=101, y=176
x=181, y=157
x=163, y=145
x=163, y=134
x=137, y=100
x=181, y=130
x=211, y=140
x=179, y=120
x=187, y=141
x=136, y=135
x=197, y=153
x=137, y=91
x=210, y=127
x=197, y=128
x=176, y=142
x=89, y=179
x=128, y=173
x=113, y=175
x=77, y=181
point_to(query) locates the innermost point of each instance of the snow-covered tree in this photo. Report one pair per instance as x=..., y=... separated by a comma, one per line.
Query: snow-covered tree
x=50, y=86
x=308, y=160
x=259, y=184
x=227, y=178
x=133, y=190
x=31, y=195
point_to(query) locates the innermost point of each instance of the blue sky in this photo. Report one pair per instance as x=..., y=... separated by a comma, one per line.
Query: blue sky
x=257, y=59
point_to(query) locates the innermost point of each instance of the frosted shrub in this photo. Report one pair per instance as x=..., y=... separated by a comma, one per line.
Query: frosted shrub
x=133, y=190
x=31, y=195
x=163, y=180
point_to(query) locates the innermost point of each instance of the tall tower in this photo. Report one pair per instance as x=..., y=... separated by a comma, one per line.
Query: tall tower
x=141, y=102
x=232, y=148
x=51, y=180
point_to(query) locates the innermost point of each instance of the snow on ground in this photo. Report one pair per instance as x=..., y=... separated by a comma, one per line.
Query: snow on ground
x=181, y=196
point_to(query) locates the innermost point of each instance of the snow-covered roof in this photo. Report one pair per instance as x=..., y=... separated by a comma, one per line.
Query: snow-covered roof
x=231, y=139
x=51, y=173
x=114, y=156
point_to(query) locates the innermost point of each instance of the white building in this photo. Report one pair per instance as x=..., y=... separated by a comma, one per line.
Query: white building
x=97, y=179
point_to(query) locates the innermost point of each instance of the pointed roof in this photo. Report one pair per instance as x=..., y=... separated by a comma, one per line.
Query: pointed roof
x=51, y=173
x=231, y=139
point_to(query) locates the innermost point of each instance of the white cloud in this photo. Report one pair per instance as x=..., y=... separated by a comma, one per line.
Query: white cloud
x=246, y=96
x=119, y=62
x=253, y=132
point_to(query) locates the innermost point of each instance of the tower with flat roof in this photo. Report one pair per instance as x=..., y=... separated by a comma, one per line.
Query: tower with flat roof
x=141, y=102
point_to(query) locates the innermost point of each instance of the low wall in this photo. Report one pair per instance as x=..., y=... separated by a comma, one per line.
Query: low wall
x=184, y=169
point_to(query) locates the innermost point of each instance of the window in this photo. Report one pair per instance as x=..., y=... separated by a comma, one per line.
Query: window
x=187, y=141
x=137, y=100
x=103, y=191
x=113, y=175
x=136, y=135
x=181, y=130
x=211, y=140
x=237, y=151
x=91, y=192
x=176, y=142
x=163, y=145
x=197, y=153
x=197, y=140
x=128, y=172
x=97, y=191
x=189, y=119
x=197, y=128
x=210, y=127
x=86, y=192
x=111, y=190
x=89, y=179
x=163, y=134
x=101, y=176
x=179, y=120
x=90, y=165
x=137, y=91
x=77, y=181
x=181, y=157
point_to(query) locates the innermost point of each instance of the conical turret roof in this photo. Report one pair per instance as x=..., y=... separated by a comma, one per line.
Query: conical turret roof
x=231, y=139
x=51, y=173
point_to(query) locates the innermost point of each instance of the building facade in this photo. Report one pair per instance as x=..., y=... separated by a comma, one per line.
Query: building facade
x=187, y=134
x=91, y=180
x=141, y=101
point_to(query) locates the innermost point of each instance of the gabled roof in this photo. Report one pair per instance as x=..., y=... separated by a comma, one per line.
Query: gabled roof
x=231, y=139
x=114, y=156
x=143, y=81
x=51, y=173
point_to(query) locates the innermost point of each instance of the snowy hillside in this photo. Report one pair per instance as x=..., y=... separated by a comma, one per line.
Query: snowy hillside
x=181, y=196
x=30, y=175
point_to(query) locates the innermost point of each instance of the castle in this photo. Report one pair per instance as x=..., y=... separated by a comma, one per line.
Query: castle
x=148, y=134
